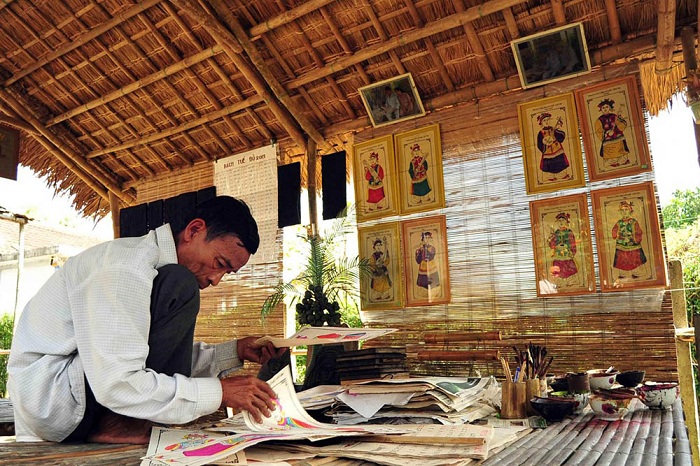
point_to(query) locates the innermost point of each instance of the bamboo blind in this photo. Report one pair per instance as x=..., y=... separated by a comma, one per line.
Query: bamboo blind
x=492, y=271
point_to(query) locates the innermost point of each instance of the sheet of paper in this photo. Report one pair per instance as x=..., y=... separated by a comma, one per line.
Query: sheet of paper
x=167, y=440
x=324, y=335
x=368, y=405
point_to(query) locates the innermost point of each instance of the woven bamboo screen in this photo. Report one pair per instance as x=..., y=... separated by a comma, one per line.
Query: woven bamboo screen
x=492, y=269
x=231, y=309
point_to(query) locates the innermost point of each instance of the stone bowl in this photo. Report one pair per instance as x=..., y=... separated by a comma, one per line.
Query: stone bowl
x=601, y=379
x=552, y=409
x=630, y=379
x=609, y=408
x=580, y=399
x=658, y=395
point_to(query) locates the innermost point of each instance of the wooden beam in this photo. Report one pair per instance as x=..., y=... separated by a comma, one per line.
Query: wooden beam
x=209, y=117
x=559, y=12
x=287, y=17
x=311, y=187
x=392, y=43
x=136, y=85
x=17, y=123
x=233, y=50
x=85, y=38
x=115, y=208
x=73, y=161
x=512, y=24
x=613, y=21
x=665, y=34
x=475, y=43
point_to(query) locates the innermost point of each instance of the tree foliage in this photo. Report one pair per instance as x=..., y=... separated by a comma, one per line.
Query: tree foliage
x=683, y=210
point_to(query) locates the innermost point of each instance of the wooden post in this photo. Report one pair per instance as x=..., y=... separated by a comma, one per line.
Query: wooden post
x=115, y=208
x=311, y=184
x=684, y=360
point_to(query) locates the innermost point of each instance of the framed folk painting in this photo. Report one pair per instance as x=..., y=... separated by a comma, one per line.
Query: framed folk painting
x=561, y=240
x=552, y=155
x=375, y=178
x=419, y=169
x=381, y=246
x=426, y=267
x=613, y=129
x=628, y=238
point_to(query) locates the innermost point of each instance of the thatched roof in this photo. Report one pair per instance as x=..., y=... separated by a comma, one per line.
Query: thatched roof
x=109, y=93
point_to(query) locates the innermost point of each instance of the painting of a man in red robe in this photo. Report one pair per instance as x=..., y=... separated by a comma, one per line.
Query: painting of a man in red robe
x=374, y=175
x=629, y=253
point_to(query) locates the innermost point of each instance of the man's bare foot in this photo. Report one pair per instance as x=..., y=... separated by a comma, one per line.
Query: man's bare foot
x=115, y=428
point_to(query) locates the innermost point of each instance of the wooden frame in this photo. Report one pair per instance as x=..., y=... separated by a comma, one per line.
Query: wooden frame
x=419, y=168
x=612, y=126
x=628, y=238
x=381, y=246
x=552, y=155
x=550, y=56
x=426, y=266
x=392, y=100
x=561, y=241
x=375, y=178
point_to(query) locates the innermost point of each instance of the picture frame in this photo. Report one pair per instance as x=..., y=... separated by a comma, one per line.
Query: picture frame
x=381, y=246
x=612, y=127
x=551, y=56
x=392, y=100
x=375, y=178
x=562, y=246
x=419, y=169
x=426, y=265
x=549, y=136
x=628, y=238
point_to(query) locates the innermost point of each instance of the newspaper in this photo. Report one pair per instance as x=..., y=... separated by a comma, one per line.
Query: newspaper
x=325, y=335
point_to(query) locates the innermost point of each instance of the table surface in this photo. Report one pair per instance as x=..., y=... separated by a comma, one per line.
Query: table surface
x=642, y=437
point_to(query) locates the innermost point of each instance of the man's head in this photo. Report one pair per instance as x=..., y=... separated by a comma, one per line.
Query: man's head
x=218, y=240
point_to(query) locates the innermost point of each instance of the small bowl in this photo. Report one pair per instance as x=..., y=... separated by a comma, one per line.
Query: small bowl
x=630, y=378
x=601, y=379
x=609, y=409
x=659, y=395
x=580, y=399
x=559, y=384
x=552, y=409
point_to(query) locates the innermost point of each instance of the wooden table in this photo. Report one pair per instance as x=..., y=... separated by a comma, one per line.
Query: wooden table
x=642, y=437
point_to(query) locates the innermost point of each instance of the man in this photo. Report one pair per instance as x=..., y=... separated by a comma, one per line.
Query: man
x=105, y=349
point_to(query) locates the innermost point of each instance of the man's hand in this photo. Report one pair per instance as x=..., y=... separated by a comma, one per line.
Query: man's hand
x=250, y=394
x=249, y=351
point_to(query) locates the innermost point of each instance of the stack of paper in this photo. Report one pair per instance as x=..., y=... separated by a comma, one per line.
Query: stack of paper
x=371, y=363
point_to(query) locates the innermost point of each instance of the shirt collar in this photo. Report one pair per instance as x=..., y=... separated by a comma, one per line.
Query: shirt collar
x=166, y=244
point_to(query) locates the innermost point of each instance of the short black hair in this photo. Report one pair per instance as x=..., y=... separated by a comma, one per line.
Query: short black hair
x=226, y=215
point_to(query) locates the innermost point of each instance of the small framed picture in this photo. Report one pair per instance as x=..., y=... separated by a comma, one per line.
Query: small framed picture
x=613, y=129
x=419, y=168
x=426, y=266
x=375, y=178
x=392, y=100
x=628, y=238
x=381, y=246
x=552, y=155
x=561, y=241
x=551, y=56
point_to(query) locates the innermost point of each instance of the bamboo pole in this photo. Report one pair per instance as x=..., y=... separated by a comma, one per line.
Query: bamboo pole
x=287, y=17
x=17, y=123
x=439, y=337
x=559, y=12
x=85, y=38
x=259, y=62
x=233, y=50
x=613, y=21
x=665, y=33
x=467, y=355
x=452, y=21
x=179, y=129
x=136, y=85
x=311, y=160
x=684, y=360
x=115, y=208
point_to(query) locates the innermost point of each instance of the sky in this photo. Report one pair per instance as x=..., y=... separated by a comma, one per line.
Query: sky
x=672, y=142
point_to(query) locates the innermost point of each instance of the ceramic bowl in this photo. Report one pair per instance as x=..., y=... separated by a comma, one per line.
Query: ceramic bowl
x=659, y=395
x=630, y=378
x=609, y=409
x=601, y=379
x=559, y=384
x=552, y=409
x=581, y=399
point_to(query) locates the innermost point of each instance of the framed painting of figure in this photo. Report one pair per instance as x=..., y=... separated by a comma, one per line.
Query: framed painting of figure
x=552, y=155
x=561, y=241
x=381, y=246
x=392, y=100
x=550, y=56
x=613, y=129
x=419, y=169
x=426, y=267
x=628, y=238
x=375, y=178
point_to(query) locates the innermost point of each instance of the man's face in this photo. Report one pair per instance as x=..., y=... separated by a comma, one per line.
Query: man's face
x=210, y=261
